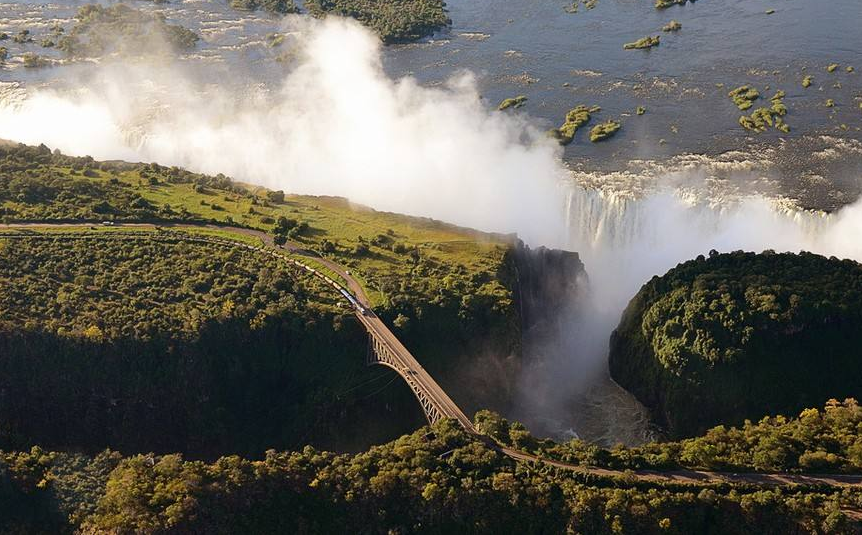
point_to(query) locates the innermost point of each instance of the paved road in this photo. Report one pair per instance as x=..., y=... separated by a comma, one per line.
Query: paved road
x=409, y=365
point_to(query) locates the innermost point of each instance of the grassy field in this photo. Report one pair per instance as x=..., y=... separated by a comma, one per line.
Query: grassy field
x=346, y=226
x=388, y=253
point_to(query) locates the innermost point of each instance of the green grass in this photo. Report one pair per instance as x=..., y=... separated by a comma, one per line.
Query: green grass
x=384, y=251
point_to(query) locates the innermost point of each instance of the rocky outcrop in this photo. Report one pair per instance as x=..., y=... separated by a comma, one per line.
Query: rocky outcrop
x=549, y=282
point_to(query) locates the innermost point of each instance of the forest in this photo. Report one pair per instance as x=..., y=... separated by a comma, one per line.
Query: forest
x=437, y=480
x=814, y=441
x=741, y=335
x=153, y=383
x=395, y=21
x=168, y=345
x=422, y=276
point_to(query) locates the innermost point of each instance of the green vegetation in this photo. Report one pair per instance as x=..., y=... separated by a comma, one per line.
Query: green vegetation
x=513, y=103
x=575, y=118
x=832, y=67
x=34, y=61
x=740, y=335
x=643, y=43
x=816, y=441
x=393, y=20
x=439, y=277
x=275, y=39
x=744, y=96
x=603, y=131
x=281, y=7
x=672, y=26
x=121, y=29
x=438, y=480
x=664, y=4
x=806, y=82
x=763, y=118
x=589, y=4
x=640, y=110
x=174, y=345
x=830, y=103
x=127, y=289
x=22, y=37
x=395, y=256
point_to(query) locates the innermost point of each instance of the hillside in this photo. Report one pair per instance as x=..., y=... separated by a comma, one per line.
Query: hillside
x=423, y=277
x=161, y=343
x=736, y=336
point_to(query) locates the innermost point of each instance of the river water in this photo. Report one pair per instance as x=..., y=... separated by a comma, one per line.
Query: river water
x=560, y=59
x=688, y=142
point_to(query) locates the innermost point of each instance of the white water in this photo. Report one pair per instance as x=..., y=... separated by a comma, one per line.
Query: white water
x=624, y=240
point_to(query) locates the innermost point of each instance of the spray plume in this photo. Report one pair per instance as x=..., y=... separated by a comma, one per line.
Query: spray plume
x=338, y=125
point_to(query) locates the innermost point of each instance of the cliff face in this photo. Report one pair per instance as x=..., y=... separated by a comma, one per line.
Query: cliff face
x=739, y=336
x=548, y=285
x=479, y=363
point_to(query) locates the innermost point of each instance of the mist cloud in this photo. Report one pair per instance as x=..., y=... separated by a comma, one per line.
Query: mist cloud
x=338, y=125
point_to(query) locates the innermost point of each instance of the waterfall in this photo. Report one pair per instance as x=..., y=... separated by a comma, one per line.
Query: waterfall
x=624, y=239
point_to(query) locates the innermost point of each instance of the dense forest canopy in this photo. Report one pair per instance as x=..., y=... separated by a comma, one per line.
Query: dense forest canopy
x=741, y=335
x=410, y=266
x=126, y=287
x=424, y=277
x=826, y=440
x=157, y=342
x=393, y=20
x=437, y=480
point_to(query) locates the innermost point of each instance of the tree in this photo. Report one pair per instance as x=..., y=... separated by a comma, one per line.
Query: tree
x=275, y=196
x=401, y=321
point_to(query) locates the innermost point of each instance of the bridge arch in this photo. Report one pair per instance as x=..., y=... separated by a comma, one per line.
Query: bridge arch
x=379, y=353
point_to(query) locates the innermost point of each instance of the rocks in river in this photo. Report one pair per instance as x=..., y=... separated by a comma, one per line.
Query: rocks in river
x=664, y=4
x=763, y=118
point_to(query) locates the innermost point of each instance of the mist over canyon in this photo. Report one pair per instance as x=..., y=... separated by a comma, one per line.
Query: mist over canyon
x=337, y=124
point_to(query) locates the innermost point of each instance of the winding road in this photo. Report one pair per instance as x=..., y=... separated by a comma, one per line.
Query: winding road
x=410, y=369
